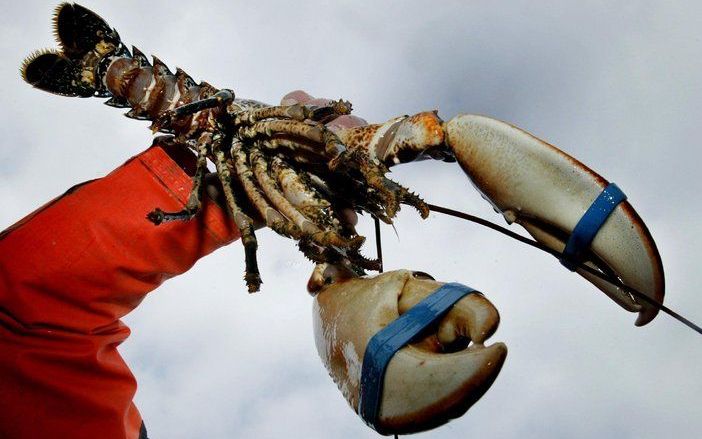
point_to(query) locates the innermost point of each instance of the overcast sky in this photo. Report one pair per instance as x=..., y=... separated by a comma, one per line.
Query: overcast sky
x=616, y=86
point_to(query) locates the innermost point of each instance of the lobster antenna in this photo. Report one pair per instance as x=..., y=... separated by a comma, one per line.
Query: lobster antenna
x=611, y=279
x=378, y=244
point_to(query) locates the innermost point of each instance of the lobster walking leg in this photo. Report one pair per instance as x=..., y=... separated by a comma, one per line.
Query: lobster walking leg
x=304, y=152
x=373, y=173
x=317, y=232
x=220, y=99
x=157, y=216
x=393, y=193
x=272, y=217
x=315, y=133
x=243, y=222
x=296, y=112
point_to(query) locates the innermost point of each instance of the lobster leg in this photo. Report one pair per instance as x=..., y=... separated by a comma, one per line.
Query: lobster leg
x=318, y=134
x=220, y=99
x=303, y=152
x=351, y=160
x=157, y=216
x=243, y=222
x=295, y=112
x=321, y=239
x=322, y=236
x=273, y=218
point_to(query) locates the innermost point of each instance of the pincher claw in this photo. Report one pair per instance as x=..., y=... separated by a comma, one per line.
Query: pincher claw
x=545, y=190
x=537, y=186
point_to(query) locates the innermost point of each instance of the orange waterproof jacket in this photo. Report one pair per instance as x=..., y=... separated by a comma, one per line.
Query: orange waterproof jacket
x=68, y=273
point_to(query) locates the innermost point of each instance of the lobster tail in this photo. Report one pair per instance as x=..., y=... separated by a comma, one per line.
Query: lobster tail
x=86, y=44
x=79, y=30
x=53, y=72
x=93, y=61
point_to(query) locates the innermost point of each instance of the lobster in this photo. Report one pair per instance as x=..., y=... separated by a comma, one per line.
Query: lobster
x=300, y=176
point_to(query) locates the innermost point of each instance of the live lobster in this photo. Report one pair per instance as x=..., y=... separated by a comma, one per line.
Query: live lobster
x=301, y=177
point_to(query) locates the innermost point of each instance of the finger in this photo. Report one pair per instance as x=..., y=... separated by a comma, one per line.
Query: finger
x=346, y=121
x=296, y=97
x=303, y=98
x=318, y=102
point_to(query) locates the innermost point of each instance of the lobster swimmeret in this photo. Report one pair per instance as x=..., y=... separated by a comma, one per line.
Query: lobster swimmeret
x=281, y=163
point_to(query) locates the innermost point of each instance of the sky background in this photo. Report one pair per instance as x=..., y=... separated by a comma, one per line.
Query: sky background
x=617, y=86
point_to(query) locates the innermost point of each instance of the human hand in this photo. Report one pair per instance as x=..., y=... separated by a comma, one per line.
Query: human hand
x=303, y=98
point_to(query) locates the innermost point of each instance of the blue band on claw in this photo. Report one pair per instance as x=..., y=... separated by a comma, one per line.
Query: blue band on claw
x=383, y=345
x=591, y=223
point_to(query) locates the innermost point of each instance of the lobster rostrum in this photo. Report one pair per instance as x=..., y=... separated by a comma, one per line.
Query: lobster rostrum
x=284, y=166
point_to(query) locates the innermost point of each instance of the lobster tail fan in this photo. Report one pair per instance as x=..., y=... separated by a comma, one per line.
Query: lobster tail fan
x=79, y=30
x=87, y=43
x=53, y=72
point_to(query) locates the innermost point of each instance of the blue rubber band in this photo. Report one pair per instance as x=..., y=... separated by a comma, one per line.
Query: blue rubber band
x=591, y=223
x=384, y=344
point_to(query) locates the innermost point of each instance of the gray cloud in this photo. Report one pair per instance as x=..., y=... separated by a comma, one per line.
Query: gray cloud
x=615, y=85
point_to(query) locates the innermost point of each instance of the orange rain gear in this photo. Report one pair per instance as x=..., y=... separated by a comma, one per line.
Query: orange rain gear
x=68, y=272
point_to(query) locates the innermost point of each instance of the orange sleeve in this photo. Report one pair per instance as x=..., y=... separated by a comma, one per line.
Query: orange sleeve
x=68, y=273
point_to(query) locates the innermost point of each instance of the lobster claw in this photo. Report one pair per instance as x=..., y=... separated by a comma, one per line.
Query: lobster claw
x=547, y=192
x=424, y=386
